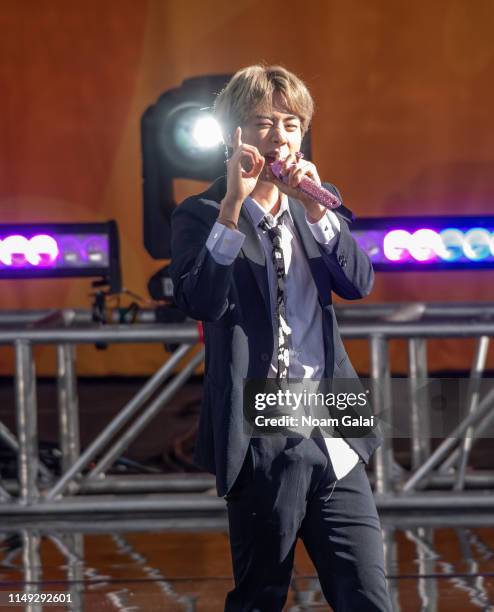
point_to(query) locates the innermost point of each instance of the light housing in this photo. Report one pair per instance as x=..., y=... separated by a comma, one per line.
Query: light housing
x=165, y=128
x=61, y=250
x=427, y=243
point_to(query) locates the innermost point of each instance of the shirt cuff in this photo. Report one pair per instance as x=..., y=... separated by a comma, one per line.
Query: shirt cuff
x=224, y=244
x=326, y=230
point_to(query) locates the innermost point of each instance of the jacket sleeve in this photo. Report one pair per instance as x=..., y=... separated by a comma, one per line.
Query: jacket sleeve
x=200, y=284
x=350, y=268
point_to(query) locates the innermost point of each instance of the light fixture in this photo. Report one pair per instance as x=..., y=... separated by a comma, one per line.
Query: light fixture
x=433, y=243
x=60, y=250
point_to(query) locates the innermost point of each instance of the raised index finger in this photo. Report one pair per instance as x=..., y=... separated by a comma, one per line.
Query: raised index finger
x=237, y=138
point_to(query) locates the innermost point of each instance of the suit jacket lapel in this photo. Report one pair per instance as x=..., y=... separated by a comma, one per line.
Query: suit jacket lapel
x=298, y=215
x=318, y=268
x=254, y=255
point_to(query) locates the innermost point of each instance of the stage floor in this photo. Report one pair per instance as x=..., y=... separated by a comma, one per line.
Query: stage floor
x=151, y=564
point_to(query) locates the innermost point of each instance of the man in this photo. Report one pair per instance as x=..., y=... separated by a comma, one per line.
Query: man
x=256, y=261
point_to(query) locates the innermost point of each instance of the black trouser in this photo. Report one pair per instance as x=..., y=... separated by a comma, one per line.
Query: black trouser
x=287, y=489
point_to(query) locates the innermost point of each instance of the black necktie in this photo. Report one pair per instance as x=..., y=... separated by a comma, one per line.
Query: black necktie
x=274, y=233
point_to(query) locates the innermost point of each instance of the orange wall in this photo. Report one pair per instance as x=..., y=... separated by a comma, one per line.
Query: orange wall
x=404, y=123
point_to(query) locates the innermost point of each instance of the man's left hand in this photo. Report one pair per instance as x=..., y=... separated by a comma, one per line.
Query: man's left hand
x=296, y=169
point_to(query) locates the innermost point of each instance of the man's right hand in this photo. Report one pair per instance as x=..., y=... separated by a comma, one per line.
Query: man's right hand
x=243, y=170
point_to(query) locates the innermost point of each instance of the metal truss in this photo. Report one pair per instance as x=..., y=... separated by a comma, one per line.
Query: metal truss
x=437, y=480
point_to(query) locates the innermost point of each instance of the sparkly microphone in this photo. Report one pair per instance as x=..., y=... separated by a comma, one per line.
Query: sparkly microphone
x=308, y=187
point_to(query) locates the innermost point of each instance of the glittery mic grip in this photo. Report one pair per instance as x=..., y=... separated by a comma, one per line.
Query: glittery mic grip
x=309, y=187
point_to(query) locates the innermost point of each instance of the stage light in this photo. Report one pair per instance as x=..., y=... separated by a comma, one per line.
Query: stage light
x=446, y=242
x=195, y=133
x=477, y=244
x=172, y=142
x=191, y=142
x=425, y=245
x=13, y=250
x=396, y=244
x=453, y=241
x=43, y=250
x=180, y=138
x=60, y=250
x=206, y=132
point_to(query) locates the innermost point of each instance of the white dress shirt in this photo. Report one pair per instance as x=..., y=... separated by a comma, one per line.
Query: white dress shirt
x=303, y=311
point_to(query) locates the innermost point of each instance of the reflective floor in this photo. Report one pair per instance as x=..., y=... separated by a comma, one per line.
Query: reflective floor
x=184, y=564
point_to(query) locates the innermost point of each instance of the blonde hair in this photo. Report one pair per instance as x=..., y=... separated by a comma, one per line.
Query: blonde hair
x=254, y=88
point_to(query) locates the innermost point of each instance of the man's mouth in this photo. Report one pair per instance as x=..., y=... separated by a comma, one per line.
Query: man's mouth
x=272, y=157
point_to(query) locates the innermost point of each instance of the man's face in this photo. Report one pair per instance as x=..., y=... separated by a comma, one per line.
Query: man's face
x=275, y=132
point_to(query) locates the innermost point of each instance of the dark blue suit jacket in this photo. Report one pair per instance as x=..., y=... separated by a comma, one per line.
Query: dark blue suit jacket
x=233, y=302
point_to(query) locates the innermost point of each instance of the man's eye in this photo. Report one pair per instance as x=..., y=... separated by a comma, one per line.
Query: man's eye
x=264, y=125
x=292, y=126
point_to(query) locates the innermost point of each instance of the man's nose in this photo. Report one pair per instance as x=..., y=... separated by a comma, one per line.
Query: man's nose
x=278, y=134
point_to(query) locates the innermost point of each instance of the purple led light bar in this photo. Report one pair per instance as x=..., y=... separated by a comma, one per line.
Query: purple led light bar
x=53, y=251
x=61, y=250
